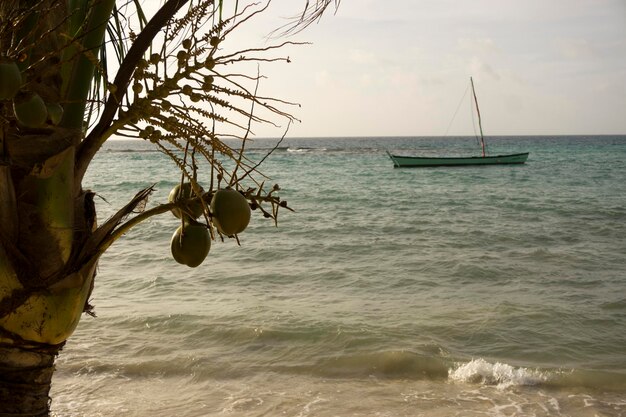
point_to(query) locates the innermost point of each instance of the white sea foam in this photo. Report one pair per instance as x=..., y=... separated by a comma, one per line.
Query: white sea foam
x=499, y=374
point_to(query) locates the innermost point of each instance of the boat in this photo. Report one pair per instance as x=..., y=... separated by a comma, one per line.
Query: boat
x=425, y=161
x=400, y=161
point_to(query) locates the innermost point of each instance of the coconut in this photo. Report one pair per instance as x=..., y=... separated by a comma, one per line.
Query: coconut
x=31, y=112
x=10, y=80
x=231, y=212
x=190, y=244
x=55, y=113
x=191, y=210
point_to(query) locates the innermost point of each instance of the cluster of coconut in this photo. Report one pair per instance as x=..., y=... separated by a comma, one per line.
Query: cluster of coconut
x=29, y=108
x=191, y=242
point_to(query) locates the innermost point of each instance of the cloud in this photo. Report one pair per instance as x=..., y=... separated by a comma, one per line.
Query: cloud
x=366, y=80
x=574, y=48
x=478, y=67
x=322, y=78
x=478, y=45
x=359, y=56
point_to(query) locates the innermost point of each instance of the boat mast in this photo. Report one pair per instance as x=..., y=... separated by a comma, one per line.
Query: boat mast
x=480, y=125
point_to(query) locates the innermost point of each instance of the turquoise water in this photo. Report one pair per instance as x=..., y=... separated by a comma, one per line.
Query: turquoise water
x=470, y=291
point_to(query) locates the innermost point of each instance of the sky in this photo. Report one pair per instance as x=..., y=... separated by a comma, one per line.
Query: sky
x=402, y=67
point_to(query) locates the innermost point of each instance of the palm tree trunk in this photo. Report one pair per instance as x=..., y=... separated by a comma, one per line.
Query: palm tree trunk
x=42, y=294
x=25, y=377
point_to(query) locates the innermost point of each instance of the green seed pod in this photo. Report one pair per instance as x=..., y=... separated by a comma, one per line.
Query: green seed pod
x=187, y=90
x=190, y=244
x=155, y=136
x=31, y=112
x=55, y=113
x=209, y=63
x=155, y=59
x=207, y=85
x=10, y=80
x=194, y=209
x=142, y=64
x=231, y=212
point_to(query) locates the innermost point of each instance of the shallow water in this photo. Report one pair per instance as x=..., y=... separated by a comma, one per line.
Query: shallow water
x=476, y=291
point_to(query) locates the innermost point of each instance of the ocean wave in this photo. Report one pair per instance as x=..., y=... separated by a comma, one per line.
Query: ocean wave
x=305, y=149
x=500, y=374
x=391, y=364
x=588, y=379
x=132, y=150
x=338, y=150
x=321, y=146
x=267, y=149
x=614, y=305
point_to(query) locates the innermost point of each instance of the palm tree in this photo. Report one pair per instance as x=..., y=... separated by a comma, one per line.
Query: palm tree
x=58, y=106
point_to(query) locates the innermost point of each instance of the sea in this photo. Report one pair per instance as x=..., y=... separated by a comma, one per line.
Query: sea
x=388, y=292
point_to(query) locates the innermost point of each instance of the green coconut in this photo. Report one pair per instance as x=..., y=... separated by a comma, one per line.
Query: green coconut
x=231, y=212
x=31, y=111
x=190, y=244
x=10, y=80
x=192, y=209
x=55, y=113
